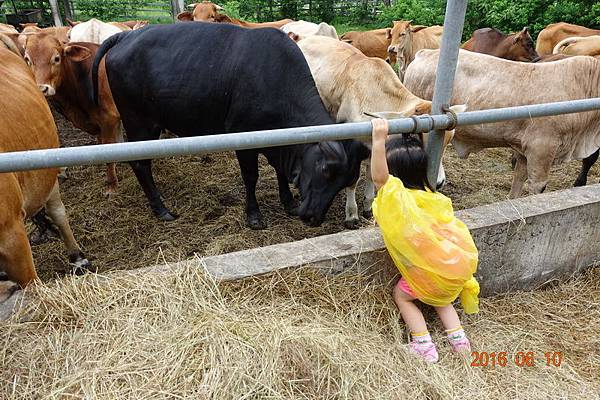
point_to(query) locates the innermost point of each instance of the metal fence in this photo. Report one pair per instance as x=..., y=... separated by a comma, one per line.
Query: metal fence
x=454, y=19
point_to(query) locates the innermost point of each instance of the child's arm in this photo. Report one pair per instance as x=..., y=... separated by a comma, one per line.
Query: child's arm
x=379, y=168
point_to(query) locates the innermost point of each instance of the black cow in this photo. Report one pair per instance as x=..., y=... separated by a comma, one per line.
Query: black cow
x=203, y=79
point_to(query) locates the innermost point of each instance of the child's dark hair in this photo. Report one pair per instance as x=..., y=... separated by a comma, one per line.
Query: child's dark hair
x=407, y=160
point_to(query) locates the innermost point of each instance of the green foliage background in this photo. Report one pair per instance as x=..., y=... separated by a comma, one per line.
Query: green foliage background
x=506, y=15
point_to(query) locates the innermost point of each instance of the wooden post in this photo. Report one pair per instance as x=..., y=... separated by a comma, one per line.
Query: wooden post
x=55, y=13
x=67, y=8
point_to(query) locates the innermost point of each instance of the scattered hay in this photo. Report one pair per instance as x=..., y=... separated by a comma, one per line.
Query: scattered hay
x=207, y=191
x=296, y=335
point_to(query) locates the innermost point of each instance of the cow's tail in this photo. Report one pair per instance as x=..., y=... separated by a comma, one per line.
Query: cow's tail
x=102, y=50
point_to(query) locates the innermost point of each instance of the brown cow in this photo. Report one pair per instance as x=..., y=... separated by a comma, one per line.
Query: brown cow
x=27, y=124
x=209, y=12
x=515, y=46
x=407, y=39
x=373, y=43
x=554, y=33
x=62, y=71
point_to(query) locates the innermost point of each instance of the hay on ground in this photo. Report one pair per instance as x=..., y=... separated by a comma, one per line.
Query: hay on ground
x=296, y=335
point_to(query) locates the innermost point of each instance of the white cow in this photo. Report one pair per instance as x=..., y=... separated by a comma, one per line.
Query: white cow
x=351, y=84
x=305, y=29
x=92, y=31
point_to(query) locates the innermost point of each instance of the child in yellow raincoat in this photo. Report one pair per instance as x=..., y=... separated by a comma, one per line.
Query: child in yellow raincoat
x=432, y=249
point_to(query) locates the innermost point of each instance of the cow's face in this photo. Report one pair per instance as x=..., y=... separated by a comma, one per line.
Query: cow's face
x=522, y=47
x=398, y=37
x=327, y=168
x=46, y=55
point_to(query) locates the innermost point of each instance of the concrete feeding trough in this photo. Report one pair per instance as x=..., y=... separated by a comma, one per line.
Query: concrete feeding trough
x=523, y=244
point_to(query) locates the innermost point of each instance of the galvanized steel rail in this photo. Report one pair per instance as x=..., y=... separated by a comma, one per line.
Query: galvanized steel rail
x=100, y=154
x=444, y=81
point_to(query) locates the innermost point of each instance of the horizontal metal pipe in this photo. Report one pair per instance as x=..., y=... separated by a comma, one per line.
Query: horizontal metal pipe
x=118, y=152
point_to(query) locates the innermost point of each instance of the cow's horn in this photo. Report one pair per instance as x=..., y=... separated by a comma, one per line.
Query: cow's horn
x=218, y=7
x=192, y=5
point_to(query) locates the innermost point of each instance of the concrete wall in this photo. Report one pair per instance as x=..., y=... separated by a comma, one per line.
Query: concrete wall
x=523, y=244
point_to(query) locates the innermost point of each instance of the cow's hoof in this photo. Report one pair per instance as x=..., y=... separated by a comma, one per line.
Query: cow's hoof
x=167, y=216
x=292, y=208
x=367, y=214
x=256, y=223
x=352, y=224
x=37, y=237
x=62, y=177
x=579, y=183
x=81, y=265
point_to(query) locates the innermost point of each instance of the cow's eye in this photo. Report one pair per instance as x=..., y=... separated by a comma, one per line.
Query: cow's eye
x=56, y=59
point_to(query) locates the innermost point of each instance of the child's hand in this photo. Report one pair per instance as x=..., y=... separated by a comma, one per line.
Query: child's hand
x=380, y=129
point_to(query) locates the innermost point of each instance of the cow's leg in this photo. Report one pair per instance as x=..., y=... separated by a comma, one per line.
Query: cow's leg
x=248, y=160
x=111, y=133
x=369, y=192
x=44, y=228
x=519, y=176
x=351, y=221
x=57, y=212
x=143, y=172
x=15, y=253
x=586, y=165
x=289, y=203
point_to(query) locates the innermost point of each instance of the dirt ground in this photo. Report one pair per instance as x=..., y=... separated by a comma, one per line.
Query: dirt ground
x=207, y=192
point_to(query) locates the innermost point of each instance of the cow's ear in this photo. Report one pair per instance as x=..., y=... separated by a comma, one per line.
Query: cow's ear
x=294, y=36
x=388, y=33
x=72, y=23
x=223, y=19
x=361, y=149
x=192, y=5
x=417, y=28
x=77, y=53
x=185, y=16
x=218, y=7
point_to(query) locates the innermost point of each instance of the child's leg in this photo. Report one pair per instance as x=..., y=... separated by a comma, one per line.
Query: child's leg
x=456, y=334
x=411, y=314
x=448, y=316
x=421, y=343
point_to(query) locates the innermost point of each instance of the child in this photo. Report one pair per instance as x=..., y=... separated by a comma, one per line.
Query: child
x=407, y=162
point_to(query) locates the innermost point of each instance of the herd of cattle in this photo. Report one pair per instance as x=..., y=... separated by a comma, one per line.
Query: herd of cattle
x=217, y=75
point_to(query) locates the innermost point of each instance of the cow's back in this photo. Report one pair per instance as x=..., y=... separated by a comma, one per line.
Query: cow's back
x=27, y=124
x=484, y=82
x=484, y=40
x=212, y=78
x=551, y=35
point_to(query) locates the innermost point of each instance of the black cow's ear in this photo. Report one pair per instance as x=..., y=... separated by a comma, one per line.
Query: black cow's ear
x=362, y=150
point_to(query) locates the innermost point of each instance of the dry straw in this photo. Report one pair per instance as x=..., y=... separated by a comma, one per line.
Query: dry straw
x=296, y=335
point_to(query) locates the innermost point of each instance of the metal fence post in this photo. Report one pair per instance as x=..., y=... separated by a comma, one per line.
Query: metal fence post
x=454, y=21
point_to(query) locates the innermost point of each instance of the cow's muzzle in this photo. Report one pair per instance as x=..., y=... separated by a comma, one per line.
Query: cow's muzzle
x=47, y=90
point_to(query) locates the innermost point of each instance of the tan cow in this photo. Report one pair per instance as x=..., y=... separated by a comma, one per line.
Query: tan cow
x=551, y=35
x=27, y=124
x=485, y=82
x=209, y=12
x=5, y=28
x=303, y=29
x=373, y=43
x=63, y=72
x=351, y=84
x=579, y=46
x=408, y=39
x=129, y=25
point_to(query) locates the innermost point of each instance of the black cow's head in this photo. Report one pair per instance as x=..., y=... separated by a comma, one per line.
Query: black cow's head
x=327, y=168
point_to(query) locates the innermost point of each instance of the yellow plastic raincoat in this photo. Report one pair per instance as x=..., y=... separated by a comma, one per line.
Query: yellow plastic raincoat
x=433, y=250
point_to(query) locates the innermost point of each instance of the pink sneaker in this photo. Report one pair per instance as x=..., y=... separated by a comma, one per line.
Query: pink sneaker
x=460, y=344
x=427, y=350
